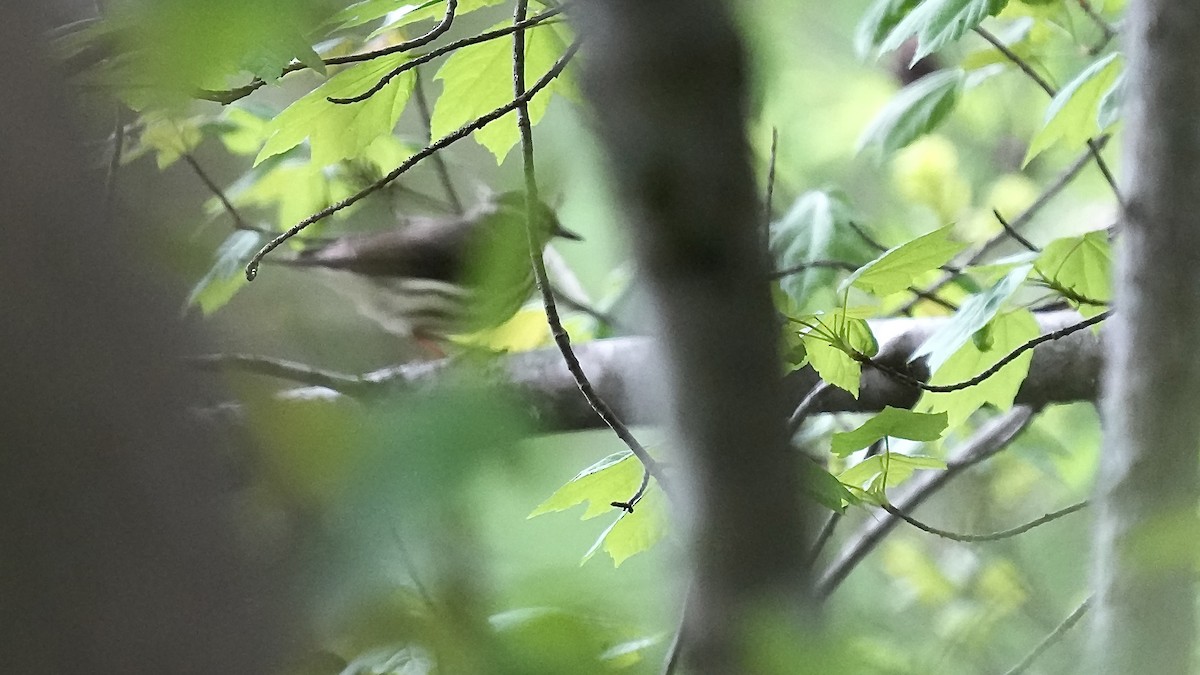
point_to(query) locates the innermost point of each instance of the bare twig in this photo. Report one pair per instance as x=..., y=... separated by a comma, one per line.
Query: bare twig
x=995, y=368
x=1020, y=238
x=114, y=161
x=866, y=236
x=350, y=385
x=439, y=162
x=768, y=202
x=921, y=294
x=1051, y=639
x=238, y=221
x=992, y=536
x=443, y=142
x=561, y=338
x=804, y=409
x=1105, y=27
x=993, y=437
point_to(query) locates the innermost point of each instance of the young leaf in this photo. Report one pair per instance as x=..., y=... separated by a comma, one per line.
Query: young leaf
x=227, y=274
x=916, y=110
x=632, y=533
x=834, y=365
x=875, y=474
x=1081, y=268
x=1071, y=116
x=615, y=477
x=972, y=316
x=894, y=270
x=879, y=20
x=894, y=422
x=478, y=79
x=937, y=23
x=334, y=131
x=1007, y=332
x=816, y=227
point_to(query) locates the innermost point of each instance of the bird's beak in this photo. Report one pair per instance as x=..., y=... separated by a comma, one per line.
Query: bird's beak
x=560, y=231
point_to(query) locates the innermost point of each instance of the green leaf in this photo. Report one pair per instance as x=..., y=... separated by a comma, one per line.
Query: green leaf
x=937, y=23
x=972, y=316
x=614, y=478
x=894, y=422
x=875, y=474
x=816, y=227
x=1008, y=331
x=825, y=487
x=916, y=110
x=1109, y=110
x=895, y=270
x=1080, y=268
x=1071, y=116
x=833, y=365
x=478, y=79
x=879, y=20
x=367, y=11
x=227, y=274
x=334, y=131
x=632, y=533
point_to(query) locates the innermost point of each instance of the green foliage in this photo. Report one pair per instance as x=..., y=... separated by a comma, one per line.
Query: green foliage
x=893, y=422
x=478, y=79
x=972, y=317
x=1080, y=268
x=1073, y=116
x=870, y=478
x=895, y=270
x=937, y=23
x=816, y=227
x=916, y=110
x=335, y=131
x=225, y=277
x=834, y=344
x=1006, y=332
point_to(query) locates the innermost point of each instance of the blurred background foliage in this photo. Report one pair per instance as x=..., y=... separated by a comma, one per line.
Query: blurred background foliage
x=409, y=516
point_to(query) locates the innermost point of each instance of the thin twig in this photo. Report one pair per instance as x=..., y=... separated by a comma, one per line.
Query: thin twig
x=768, y=202
x=1008, y=358
x=350, y=385
x=1051, y=639
x=1105, y=27
x=1020, y=238
x=805, y=407
x=459, y=44
x=561, y=338
x=993, y=536
x=439, y=162
x=843, y=265
x=114, y=161
x=823, y=537
x=227, y=96
x=580, y=306
x=1092, y=143
x=443, y=142
x=865, y=236
x=238, y=221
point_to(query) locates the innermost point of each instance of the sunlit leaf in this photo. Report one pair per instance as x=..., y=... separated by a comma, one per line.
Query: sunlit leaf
x=834, y=365
x=633, y=533
x=972, y=316
x=478, y=79
x=937, y=23
x=894, y=270
x=614, y=478
x=1081, y=267
x=334, y=131
x=1007, y=331
x=877, y=473
x=893, y=422
x=914, y=111
x=1071, y=116
x=825, y=488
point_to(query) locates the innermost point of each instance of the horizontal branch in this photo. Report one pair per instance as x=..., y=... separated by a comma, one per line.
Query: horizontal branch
x=621, y=369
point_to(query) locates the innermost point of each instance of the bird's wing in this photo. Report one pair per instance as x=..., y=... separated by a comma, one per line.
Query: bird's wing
x=426, y=248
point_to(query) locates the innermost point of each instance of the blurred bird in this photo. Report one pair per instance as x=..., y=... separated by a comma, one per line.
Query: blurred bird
x=433, y=277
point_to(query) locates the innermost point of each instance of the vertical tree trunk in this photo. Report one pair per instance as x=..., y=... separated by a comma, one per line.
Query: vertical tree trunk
x=1146, y=536
x=668, y=83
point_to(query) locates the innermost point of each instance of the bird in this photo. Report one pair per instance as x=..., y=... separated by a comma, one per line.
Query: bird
x=432, y=277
